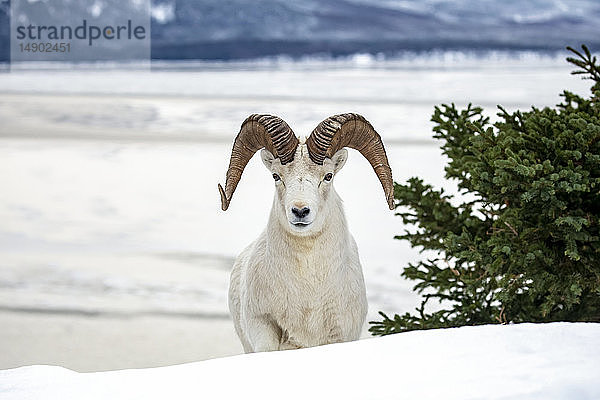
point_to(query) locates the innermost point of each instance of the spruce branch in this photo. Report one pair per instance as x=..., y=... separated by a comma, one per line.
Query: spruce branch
x=587, y=63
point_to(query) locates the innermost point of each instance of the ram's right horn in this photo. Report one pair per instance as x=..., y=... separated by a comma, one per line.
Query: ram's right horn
x=258, y=131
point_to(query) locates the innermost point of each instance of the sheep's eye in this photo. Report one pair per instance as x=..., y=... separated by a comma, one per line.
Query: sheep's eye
x=276, y=177
x=328, y=177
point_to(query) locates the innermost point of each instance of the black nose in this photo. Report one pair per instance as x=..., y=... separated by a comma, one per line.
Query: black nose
x=300, y=213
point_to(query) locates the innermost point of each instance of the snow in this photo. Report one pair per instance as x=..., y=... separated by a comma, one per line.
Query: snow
x=526, y=361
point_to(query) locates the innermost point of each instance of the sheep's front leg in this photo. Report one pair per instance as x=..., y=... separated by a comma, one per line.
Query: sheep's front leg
x=264, y=334
x=287, y=342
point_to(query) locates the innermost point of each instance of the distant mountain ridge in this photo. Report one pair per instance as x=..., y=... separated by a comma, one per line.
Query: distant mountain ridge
x=241, y=29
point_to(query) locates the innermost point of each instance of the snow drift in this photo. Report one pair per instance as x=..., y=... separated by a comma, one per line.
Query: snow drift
x=526, y=361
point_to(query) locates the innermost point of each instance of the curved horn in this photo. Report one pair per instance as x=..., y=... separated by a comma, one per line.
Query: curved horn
x=354, y=131
x=257, y=131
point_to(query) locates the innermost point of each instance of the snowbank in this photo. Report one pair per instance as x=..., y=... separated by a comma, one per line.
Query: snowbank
x=527, y=361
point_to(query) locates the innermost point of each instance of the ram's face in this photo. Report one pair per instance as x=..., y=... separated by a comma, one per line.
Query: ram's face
x=303, y=188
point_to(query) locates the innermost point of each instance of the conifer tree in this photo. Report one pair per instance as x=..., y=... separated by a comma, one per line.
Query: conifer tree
x=522, y=241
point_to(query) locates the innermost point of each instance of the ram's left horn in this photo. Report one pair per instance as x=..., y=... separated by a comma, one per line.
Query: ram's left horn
x=354, y=131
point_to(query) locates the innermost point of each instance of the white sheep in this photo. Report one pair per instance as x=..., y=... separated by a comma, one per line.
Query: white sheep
x=300, y=284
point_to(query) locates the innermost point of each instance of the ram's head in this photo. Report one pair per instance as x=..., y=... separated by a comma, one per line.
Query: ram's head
x=303, y=172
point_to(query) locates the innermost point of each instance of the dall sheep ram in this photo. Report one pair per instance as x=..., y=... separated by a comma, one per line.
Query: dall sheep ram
x=300, y=284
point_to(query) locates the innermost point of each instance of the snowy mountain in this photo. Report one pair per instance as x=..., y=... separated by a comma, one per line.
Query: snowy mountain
x=213, y=29
x=246, y=29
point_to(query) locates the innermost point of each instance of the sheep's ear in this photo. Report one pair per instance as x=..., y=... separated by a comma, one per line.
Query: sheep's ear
x=267, y=158
x=339, y=159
